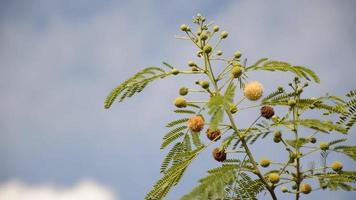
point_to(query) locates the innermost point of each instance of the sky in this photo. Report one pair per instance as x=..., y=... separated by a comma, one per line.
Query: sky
x=59, y=60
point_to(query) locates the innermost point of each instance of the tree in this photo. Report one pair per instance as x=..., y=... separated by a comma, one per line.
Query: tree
x=245, y=178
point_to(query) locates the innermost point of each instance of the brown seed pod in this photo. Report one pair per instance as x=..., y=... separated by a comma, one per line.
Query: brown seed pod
x=219, y=155
x=196, y=123
x=213, y=135
x=267, y=112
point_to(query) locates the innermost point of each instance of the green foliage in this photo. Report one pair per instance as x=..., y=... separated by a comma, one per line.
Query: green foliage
x=349, y=117
x=218, y=104
x=224, y=181
x=335, y=181
x=347, y=150
x=172, y=136
x=299, y=71
x=135, y=84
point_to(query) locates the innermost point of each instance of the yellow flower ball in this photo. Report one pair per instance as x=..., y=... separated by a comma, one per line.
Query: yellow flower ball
x=337, y=166
x=305, y=188
x=180, y=102
x=253, y=90
x=273, y=177
x=264, y=162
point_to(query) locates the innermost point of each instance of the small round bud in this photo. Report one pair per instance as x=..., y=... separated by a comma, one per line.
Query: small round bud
x=224, y=35
x=184, y=27
x=305, y=188
x=273, y=178
x=196, y=123
x=219, y=53
x=213, y=135
x=276, y=140
x=233, y=108
x=306, y=84
x=299, y=90
x=207, y=49
x=336, y=166
x=313, y=140
x=280, y=89
x=237, y=54
x=175, y=71
x=216, y=28
x=292, y=157
x=267, y=112
x=199, y=54
x=291, y=102
x=253, y=90
x=264, y=162
x=203, y=36
x=195, y=69
x=324, y=145
x=294, y=187
x=324, y=186
x=180, y=102
x=278, y=134
x=183, y=91
x=284, y=189
x=219, y=155
x=275, y=118
x=205, y=84
x=236, y=71
x=191, y=63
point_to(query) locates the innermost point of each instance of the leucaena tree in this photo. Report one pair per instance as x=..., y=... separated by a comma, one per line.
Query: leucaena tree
x=240, y=175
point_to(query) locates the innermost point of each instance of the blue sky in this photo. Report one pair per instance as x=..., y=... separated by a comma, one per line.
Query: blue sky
x=59, y=59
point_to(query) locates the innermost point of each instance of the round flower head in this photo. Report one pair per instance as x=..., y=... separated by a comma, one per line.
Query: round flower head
x=265, y=162
x=253, y=90
x=305, y=188
x=180, y=102
x=267, y=112
x=336, y=166
x=213, y=135
x=273, y=177
x=219, y=155
x=196, y=123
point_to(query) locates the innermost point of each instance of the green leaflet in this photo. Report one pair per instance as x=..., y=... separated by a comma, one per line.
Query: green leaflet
x=335, y=181
x=223, y=178
x=299, y=71
x=135, y=84
x=218, y=104
x=347, y=150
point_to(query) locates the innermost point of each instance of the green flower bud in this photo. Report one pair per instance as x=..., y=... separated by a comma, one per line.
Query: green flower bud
x=299, y=90
x=203, y=36
x=294, y=187
x=324, y=145
x=278, y=134
x=207, y=49
x=224, y=35
x=313, y=140
x=180, y=102
x=184, y=27
x=219, y=53
x=233, y=108
x=175, y=71
x=275, y=118
x=191, y=63
x=273, y=178
x=280, y=89
x=264, y=162
x=291, y=102
x=237, y=54
x=337, y=166
x=276, y=140
x=195, y=69
x=305, y=188
x=199, y=54
x=284, y=189
x=205, y=84
x=292, y=156
x=216, y=28
x=183, y=91
x=236, y=71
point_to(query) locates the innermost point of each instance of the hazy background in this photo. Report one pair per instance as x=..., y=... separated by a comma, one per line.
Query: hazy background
x=59, y=59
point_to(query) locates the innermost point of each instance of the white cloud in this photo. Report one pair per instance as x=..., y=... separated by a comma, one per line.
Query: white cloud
x=86, y=189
